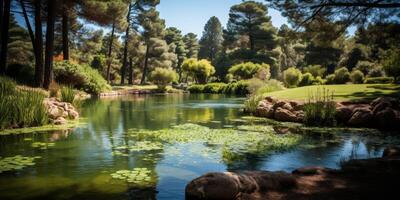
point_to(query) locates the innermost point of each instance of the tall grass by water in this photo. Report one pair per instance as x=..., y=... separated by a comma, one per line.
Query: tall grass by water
x=67, y=94
x=320, y=108
x=20, y=108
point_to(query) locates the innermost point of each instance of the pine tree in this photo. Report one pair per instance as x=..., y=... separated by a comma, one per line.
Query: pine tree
x=211, y=41
x=191, y=45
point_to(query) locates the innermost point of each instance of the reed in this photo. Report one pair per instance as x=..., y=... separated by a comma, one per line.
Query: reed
x=320, y=108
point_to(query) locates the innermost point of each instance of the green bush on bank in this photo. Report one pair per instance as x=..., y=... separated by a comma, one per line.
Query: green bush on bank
x=238, y=88
x=20, y=108
x=81, y=77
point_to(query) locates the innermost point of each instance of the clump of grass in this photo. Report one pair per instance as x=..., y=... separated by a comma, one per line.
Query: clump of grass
x=320, y=108
x=54, y=89
x=67, y=94
x=251, y=104
x=20, y=108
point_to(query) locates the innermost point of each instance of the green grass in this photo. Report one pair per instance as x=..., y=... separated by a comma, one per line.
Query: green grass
x=349, y=92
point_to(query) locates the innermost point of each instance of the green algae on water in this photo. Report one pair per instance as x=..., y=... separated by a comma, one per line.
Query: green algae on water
x=16, y=163
x=43, y=145
x=137, y=176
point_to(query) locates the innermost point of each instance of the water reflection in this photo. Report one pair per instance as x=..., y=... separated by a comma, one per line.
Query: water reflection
x=79, y=165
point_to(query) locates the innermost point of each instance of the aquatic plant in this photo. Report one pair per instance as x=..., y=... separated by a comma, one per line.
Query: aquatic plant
x=146, y=146
x=16, y=163
x=137, y=176
x=43, y=145
x=251, y=104
x=241, y=141
x=320, y=109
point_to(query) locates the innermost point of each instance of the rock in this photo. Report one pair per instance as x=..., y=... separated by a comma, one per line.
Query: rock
x=279, y=104
x=60, y=121
x=271, y=99
x=380, y=106
x=343, y=113
x=54, y=112
x=247, y=185
x=361, y=117
x=73, y=114
x=297, y=105
x=265, y=110
x=387, y=118
x=285, y=115
x=391, y=152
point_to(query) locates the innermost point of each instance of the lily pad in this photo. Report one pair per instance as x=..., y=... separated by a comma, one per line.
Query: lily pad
x=15, y=163
x=138, y=176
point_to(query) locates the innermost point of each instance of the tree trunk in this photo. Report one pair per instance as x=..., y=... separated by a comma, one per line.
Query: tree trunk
x=146, y=60
x=65, y=27
x=39, y=44
x=1, y=17
x=130, y=80
x=109, y=52
x=125, y=59
x=251, y=38
x=28, y=25
x=4, y=36
x=48, y=61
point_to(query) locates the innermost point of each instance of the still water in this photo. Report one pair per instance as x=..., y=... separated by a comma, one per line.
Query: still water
x=79, y=163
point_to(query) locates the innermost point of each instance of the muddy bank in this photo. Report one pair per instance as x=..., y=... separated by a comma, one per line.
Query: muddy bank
x=357, y=179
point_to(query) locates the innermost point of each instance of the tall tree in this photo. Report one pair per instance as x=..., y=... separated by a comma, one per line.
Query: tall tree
x=211, y=41
x=20, y=48
x=125, y=59
x=49, y=51
x=250, y=18
x=191, y=45
x=174, y=38
x=5, y=22
x=153, y=28
x=39, y=68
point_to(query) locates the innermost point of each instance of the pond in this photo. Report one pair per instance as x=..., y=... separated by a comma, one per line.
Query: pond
x=150, y=147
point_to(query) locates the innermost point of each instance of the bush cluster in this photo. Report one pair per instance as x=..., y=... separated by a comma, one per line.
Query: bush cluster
x=357, y=77
x=162, y=77
x=379, y=80
x=80, y=76
x=238, y=88
x=292, y=77
x=199, y=69
x=248, y=70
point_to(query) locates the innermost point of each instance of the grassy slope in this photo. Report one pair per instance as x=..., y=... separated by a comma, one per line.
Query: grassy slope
x=351, y=92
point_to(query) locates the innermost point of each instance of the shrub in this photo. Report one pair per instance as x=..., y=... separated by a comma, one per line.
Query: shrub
x=342, y=75
x=292, y=77
x=307, y=79
x=271, y=86
x=254, y=85
x=248, y=70
x=320, y=109
x=199, y=69
x=364, y=66
x=20, y=108
x=214, y=88
x=379, y=80
x=376, y=72
x=196, y=88
x=357, y=76
x=21, y=73
x=319, y=81
x=80, y=76
x=315, y=70
x=162, y=77
x=391, y=63
x=238, y=88
x=330, y=79
x=67, y=94
x=99, y=62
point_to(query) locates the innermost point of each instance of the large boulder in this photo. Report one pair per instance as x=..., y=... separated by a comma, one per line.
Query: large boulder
x=246, y=185
x=285, y=115
x=343, y=113
x=55, y=112
x=387, y=118
x=265, y=109
x=361, y=116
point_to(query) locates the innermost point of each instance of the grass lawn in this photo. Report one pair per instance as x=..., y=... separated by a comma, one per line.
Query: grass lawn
x=350, y=92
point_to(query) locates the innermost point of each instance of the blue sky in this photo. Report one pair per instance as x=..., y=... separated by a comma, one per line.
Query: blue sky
x=192, y=15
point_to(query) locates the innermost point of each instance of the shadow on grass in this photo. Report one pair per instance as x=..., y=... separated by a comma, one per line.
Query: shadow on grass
x=382, y=90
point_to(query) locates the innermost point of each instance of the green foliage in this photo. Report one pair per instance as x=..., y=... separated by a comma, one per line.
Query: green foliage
x=54, y=88
x=271, y=86
x=81, y=77
x=238, y=88
x=162, y=77
x=357, y=77
x=16, y=163
x=320, y=109
x=307, y=79
x=330, y=79
x=380, y=80
x=196, y=89
x=391, y=63
x=254, y=85
x=365, y=66
x=315, y=70
x=292, y=77
x=20, y=108
x=21, y=73
x=211, y=41
x=319, y=81
x=139, y=176
x=376, y=72
x=248, y=70
x=199, y=69
x=67, y=94
x=342, y=75
x=214, y=88
x=99, y=63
